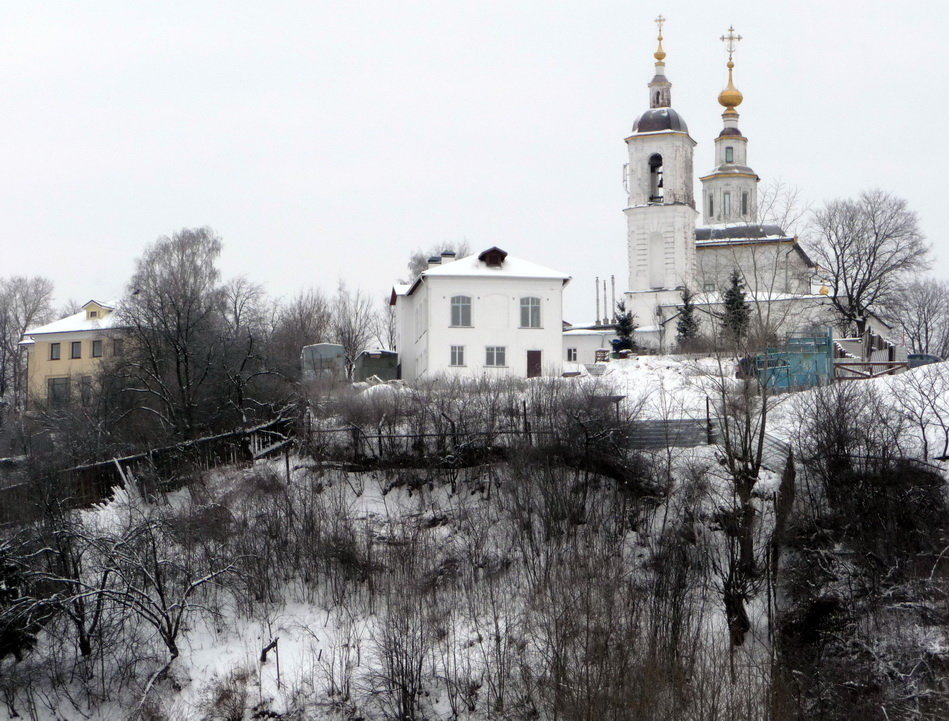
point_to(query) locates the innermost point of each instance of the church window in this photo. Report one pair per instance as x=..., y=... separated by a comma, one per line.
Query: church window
x=655, y=178
x=729, y=154
x=711, y=205
x=744, y=203
x=461, y=311
x=530, y=312
x=727, y=204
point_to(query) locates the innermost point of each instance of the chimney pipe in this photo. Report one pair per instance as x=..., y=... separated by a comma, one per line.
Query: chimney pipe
x=596, y=287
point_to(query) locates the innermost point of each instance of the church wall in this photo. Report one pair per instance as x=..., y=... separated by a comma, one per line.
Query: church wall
x=661, y=246
x=765, y=268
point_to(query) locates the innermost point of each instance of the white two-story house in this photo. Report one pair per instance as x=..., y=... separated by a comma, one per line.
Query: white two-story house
x=491, y=313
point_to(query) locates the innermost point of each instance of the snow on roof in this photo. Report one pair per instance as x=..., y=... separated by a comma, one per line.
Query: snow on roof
x=512, y=267
x=711, y=242
x=715, y=298
x=588, y=331
x=80, y=321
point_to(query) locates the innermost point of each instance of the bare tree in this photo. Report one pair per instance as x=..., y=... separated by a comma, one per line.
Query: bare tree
x=24, y=303
x=385, y=325
x=303, y=320
x=418, y=261
x=866, y=248
x=173, y=310
x=353, y=318
x=782, y=205
x=923, y=316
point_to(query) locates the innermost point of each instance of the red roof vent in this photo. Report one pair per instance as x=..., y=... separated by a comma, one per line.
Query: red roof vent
x=493, y=257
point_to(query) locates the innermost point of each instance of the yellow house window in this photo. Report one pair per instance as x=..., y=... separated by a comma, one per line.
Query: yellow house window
x=97, y=349
x=54, y=351
x=75, y=349
x=57, y=391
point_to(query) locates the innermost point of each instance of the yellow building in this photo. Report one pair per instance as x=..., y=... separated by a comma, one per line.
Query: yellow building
x=63, y=357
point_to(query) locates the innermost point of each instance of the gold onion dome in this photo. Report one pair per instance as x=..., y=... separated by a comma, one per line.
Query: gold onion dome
x=730, y=97
x=660, y=54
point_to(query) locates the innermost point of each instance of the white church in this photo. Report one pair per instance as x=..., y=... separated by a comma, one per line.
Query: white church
x=474, y=315
x=668, y=252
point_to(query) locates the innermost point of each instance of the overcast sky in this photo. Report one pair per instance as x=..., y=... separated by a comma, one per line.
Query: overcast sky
x=324, y=141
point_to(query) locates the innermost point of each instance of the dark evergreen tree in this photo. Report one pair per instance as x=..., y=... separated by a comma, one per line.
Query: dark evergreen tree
x=736, y=311
x=625, y=326
x=687, y=326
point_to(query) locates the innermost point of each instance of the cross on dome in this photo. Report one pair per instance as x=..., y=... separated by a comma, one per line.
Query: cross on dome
x=730, y=40
x=730, y=97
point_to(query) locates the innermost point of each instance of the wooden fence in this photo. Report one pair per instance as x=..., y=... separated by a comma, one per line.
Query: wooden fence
x=159, y=469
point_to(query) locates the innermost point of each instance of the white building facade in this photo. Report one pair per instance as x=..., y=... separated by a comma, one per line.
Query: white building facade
x=487, y=314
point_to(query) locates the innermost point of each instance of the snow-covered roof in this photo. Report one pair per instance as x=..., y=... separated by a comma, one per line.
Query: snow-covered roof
x=80, y=321
x=711, y=242
x=588, y=331
x=512, y=267
x=475, y=266
x=715, y=298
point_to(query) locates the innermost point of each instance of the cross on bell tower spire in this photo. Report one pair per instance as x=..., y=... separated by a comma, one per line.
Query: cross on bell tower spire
x=660, y=54
x=660, y=89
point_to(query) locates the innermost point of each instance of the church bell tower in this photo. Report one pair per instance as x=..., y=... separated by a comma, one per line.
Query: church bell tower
x=730, y=191
x=660, y=209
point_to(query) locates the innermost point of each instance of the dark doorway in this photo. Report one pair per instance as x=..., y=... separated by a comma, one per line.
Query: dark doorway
x=533, y=364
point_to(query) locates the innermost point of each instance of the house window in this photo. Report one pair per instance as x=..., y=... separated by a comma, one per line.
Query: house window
x=461, y=311
x=572, y=355
x=727, y=204
x=457, y=355
x=118, y=346
x=57, y=391
x=494, y=355
x=85, y=389
x=744, y=203
x=93, y=314
x=75, y=349
x=54, y=351
x=708, y=287
x=530, y=312
x=729, y=154
x=97, y=349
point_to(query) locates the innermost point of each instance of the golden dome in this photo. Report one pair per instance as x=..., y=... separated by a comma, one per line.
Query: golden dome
x=730, y=97
x=660, y=54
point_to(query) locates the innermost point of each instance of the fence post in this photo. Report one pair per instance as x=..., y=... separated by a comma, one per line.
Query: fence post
x=709, y=435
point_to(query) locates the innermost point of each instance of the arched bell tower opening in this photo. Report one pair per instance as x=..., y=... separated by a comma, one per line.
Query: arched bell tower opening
x=655, y=178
